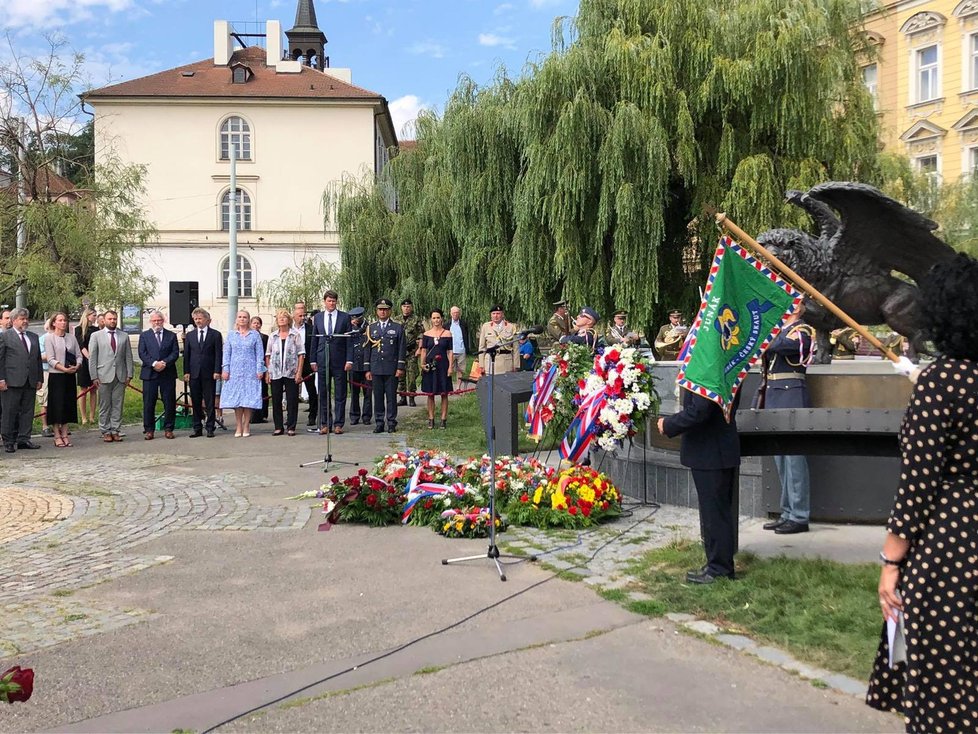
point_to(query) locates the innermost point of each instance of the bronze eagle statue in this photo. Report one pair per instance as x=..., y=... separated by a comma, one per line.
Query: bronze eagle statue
x=867, y=247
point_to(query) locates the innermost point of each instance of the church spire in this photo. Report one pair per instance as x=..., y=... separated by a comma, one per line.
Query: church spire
x=307, y=43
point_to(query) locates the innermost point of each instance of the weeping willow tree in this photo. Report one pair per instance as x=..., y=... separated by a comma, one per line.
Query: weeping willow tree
x=586, y=177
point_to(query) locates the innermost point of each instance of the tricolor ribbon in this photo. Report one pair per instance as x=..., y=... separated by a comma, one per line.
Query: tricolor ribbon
x=581, y=430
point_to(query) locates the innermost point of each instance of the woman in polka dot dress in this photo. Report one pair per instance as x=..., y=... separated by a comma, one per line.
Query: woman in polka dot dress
x=930, y=556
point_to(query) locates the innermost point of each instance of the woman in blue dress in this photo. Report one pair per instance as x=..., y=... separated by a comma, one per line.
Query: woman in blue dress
x=244, y=368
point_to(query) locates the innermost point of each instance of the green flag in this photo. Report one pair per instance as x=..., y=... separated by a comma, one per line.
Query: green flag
x=743, y=308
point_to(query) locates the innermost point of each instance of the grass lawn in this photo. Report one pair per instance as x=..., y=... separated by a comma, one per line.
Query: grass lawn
x=822, y=612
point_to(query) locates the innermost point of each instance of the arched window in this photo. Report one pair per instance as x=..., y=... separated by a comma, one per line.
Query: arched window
x=242, y=205
x=236, y=131
x=245, y=277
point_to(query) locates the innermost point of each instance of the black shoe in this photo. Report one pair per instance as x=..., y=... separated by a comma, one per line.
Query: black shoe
x=412, y=403
x=401, y=401
x=210, y=434
x=774, y=524
x=391, y=429
x=378, y=429
x=9, y=448
x=32, y=445
x=790, y=527
x=706, y=577
x=196, y=434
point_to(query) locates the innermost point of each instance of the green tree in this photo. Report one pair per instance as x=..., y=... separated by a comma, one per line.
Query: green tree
x=581, y=178
x=79, y=242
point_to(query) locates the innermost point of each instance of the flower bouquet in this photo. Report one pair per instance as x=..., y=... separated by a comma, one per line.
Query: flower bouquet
x=625, y=382
x=577, y=497
x=361, y=498
x=471, y=522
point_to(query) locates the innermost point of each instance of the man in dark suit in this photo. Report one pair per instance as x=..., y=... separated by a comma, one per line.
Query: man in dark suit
x=158, y=351
x=203, y=351
x=384, y=358
x=332, y=358
x=304, y=326
x=710, y=447
x=21, y=376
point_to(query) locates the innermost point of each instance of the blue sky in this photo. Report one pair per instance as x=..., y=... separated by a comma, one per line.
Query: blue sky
x=410, y=51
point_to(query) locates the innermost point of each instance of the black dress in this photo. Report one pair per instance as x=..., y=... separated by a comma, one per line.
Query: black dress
x=83, y=376
x=434, y=375
x=936, y=510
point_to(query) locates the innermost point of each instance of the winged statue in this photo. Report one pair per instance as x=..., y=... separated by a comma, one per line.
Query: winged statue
x=869, y=250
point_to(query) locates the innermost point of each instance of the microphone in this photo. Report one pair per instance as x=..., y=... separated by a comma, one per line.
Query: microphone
x=538, y=329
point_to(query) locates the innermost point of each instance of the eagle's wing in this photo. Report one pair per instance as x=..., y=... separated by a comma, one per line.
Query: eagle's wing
x=876, y=227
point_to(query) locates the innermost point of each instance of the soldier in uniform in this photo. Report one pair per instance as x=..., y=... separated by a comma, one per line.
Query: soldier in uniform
x=584, y=330
x=620, y=334
x=559, y=325
x=413, y=329
x=845, y=343
x=785, y=365
x=358, y=375
x=669, y=341
x=494, y=332
x=383, y=357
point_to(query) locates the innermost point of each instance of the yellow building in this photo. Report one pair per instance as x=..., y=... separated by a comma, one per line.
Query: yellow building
x=925, y=82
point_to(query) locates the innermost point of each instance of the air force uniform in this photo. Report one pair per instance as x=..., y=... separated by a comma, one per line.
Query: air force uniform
x=383, y=356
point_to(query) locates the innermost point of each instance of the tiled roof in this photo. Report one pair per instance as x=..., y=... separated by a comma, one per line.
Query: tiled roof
x=204, y=79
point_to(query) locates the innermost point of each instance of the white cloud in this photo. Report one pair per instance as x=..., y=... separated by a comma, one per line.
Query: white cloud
x=404, y=111
x=27, y=13
x=491, y=39
x=428, y=48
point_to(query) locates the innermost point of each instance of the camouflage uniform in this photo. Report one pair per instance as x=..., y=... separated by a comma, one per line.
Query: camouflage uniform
x=413, y=329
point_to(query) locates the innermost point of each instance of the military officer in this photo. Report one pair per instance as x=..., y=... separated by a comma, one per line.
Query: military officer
x=413, y=329
x=620, y=334
x=358, y=375
x=495, y=332
x=669, y=341
x=383, y=357
x=559, y=325
x=785, y=364
x=584, y=332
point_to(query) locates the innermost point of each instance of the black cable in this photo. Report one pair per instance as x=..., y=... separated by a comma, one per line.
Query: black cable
x=447, y=628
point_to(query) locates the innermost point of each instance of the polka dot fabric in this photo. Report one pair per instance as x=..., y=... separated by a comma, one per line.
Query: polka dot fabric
x=936, y=510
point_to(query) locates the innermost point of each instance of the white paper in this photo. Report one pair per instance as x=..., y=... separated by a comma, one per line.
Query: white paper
x=896, y=637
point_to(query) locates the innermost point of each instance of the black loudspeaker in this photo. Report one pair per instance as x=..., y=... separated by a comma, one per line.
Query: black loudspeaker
x=184, y=298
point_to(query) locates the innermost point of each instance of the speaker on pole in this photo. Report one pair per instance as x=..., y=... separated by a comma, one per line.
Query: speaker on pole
x=184, y=298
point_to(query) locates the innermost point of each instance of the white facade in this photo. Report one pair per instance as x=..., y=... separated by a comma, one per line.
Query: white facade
x=294, y=148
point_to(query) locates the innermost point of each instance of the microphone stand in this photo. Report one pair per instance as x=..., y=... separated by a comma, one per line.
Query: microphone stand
x=328, y=461
x=492, y=553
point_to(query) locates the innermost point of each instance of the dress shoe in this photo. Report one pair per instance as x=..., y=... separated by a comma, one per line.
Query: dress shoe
x=378, y=429
x=210, y=434
x=774, y=524
x=28, y=445
x=196, y=434
x=148, y=435
x=790, y=527
x=706, y=577
x=168, y=434
x=338, y=430
x=9, y=448
x=412, y=403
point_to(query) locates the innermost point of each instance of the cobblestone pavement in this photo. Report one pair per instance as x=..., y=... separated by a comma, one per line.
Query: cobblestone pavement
x=68, y=525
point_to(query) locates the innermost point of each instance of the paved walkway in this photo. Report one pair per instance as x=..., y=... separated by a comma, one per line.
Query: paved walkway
x=165, y=585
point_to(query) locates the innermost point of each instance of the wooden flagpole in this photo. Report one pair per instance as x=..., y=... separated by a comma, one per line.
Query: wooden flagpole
x=802, y=284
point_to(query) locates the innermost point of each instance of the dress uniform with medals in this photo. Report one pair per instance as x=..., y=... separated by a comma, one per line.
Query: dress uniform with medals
x=493, y=333
x=413, y=329
x=669, y=341
x=383, y=356
x=559, y=326
x=785, y=363
x=585, y=333
x=358, y=375
x=621, y=334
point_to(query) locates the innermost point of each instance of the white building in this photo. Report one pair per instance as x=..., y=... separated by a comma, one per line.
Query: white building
x=298, y=129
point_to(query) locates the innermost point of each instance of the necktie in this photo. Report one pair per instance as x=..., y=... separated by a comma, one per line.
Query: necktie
x=23, y=338
x=329, y=331
x=112, y=340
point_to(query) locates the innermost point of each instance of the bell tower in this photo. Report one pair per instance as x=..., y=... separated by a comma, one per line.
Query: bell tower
x=307, y=44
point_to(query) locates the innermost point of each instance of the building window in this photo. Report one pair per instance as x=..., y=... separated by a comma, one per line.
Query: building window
x=235, y=131
x=927, y=85
x=245, y=277
x=973, y=61
x=242, y=205
x=870, y=75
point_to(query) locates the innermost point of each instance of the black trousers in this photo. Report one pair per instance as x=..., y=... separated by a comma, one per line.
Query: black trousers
x=385, y=399
x=164, y=388
x=360, y=378
x=714, y=490
x=288, y=386
x=332, y=385
x=310, y=383
x=202, y=394
x=18, y=414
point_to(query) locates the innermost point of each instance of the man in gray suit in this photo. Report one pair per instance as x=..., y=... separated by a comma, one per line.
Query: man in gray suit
x=21, y=377
x=111, y=367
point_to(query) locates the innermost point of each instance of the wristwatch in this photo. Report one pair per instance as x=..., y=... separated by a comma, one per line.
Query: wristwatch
x=887, y=562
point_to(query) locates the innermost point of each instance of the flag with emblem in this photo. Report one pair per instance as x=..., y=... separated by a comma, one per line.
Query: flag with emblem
x=743, y=309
